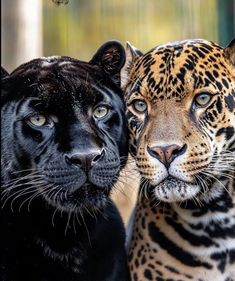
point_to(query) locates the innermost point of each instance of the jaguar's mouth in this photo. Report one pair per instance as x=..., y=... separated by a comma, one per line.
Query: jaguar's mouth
x=172, y=182
x=172, y=189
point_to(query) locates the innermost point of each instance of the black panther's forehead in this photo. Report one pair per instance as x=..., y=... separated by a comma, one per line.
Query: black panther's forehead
x=50, y=66
x=59, y=79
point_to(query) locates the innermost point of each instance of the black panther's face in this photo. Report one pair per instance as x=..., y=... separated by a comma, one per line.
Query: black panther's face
x=64, y=134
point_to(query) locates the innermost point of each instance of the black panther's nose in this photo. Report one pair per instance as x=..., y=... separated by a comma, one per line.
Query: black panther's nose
x=85, y=160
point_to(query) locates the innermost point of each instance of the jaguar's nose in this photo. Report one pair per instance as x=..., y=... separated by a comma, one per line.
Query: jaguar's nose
x=166, y=154
x=85, y=160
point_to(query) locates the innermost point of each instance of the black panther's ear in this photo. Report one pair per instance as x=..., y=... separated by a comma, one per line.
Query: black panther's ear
x=4, y=73
x=4, y=85
x=230, y=52
x=111, y=58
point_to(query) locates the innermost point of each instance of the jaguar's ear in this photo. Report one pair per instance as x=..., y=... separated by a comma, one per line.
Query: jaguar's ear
x=230, y=52
x=132, y=54
x=111, y=58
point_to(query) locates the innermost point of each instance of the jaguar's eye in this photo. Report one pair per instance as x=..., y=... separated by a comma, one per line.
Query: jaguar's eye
x=202, y=99
x=139, y=105
x=100, y=111
x=40, y=120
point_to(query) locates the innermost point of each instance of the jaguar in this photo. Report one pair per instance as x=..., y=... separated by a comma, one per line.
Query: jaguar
x=180, y=99
x=64, y=142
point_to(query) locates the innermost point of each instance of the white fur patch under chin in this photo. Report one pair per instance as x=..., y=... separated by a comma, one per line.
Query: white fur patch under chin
x=174, y=190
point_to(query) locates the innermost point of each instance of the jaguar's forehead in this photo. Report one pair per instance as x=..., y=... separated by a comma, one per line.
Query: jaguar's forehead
x=179, y=68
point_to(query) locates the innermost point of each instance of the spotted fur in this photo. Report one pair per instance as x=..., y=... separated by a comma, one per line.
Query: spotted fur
x=184, y=220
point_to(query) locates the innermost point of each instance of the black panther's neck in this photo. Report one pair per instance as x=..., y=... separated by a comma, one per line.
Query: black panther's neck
x=47, y=224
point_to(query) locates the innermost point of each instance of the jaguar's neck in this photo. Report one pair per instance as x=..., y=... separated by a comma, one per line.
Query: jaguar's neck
x=214, y=217
x=189, y=237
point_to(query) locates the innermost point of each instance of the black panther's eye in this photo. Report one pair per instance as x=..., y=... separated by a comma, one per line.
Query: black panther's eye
x=40, y=120
x=100, y=111
x=202, y=99
x=139, y=105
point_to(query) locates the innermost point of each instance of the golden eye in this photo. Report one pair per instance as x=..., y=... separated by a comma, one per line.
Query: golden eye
x=202, y=99
x=39, y=120
x=100, y=111
x=139, y=105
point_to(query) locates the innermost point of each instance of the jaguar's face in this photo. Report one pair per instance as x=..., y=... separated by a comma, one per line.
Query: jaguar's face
x=64, y=133
x=180, y=101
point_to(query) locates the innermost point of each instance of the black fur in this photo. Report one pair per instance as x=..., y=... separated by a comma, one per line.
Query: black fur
x=58, y=222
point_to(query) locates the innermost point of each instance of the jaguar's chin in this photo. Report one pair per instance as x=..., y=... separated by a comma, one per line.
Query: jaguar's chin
x=174, y=190
x=86, y=197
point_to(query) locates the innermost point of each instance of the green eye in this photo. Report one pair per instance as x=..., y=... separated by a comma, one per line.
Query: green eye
x=202, y=99
x=100, y=111
x=139, y=105
x=40, y=120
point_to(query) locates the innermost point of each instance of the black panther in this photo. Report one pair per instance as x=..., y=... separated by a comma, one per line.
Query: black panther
x=64, y=142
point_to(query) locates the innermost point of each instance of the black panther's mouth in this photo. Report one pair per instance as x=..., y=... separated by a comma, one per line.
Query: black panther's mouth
x=88, y=191
x=87, y=196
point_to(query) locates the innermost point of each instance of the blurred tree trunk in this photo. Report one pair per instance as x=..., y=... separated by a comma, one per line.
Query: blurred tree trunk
x=21, y=29
x=226, y=21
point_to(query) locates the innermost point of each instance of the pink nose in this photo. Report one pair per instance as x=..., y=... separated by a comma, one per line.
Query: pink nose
x=166, y=154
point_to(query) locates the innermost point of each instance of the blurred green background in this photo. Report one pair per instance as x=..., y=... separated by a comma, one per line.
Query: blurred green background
x=79, y=27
